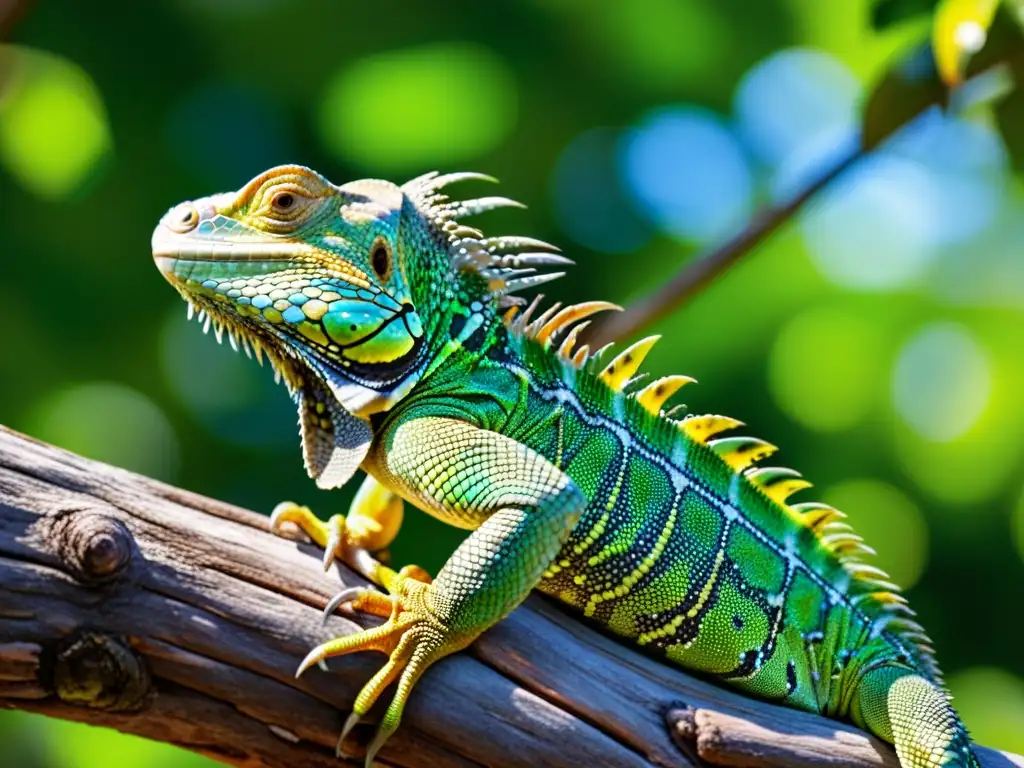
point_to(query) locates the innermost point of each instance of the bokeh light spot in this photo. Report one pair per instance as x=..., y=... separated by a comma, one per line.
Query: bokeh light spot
x=660, y=43
x=792, y=99
x=433, y=105
x=108, y=422
x=589, y=201
x=871, y=229
x=941, y=382
x=53, y=126
x=688, y=173
x=991, y=703
x=823, y=368
x=889, y=522
x=225, y=391
x=966, y=165
x=76, y=745
x=965, y=471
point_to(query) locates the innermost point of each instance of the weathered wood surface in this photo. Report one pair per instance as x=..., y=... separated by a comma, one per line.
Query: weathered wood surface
x=129, y=603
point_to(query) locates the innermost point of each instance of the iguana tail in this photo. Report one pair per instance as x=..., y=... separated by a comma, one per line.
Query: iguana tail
x=898, y=704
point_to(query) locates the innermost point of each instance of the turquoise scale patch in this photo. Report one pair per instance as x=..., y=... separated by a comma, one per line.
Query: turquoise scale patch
x=262, y=302
x=293, y=315
x=298, y=299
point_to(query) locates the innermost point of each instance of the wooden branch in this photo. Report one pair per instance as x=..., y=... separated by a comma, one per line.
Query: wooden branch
x=128, y=603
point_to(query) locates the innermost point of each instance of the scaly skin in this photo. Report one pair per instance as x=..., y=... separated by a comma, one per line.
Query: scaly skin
x=383, y=315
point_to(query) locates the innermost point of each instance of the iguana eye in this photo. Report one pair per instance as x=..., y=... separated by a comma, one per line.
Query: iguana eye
x=283, y=202
x=380, y=259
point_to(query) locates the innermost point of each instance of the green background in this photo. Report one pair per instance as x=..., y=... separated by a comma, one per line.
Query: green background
x=878, y=337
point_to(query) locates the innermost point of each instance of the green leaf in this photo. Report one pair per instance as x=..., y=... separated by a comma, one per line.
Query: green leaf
x=904, y=92
x=1009, y=115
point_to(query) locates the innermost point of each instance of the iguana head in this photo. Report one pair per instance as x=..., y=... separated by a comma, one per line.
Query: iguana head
x=349, y=290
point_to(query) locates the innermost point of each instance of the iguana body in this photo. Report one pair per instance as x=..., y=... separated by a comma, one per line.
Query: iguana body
x=387, y=319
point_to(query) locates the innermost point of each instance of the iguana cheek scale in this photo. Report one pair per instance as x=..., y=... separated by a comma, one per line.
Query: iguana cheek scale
x=396, y=331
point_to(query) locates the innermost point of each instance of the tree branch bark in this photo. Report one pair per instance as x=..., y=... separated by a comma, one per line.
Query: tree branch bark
x=132, y=604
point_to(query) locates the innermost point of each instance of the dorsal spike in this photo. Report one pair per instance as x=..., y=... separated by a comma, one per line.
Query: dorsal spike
x=479, y=205
x=741, y=452
x=869, y=583
x=439, y=182
x=675, y=413
x=703, y=428
x=832, y=527
x=522, y=283
x=778, y=483
x=536, y=325
x=581, y=356
x=626, y=363
x=461, y=232
x=845, y=543
x=654, y=395
x=868, y=572
x=507, y=243
x=420, y=182
x=517, y=260
x=524, y=318
x=815, y=514
x=631, y=386
x=565, y=348
x=571, y=314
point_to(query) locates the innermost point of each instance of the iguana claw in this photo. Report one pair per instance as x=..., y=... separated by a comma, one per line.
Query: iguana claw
x=365, y=599
x=330, y=535
x=413, y=637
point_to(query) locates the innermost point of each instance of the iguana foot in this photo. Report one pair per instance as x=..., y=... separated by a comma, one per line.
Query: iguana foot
x=349, y=539
x=413, y=637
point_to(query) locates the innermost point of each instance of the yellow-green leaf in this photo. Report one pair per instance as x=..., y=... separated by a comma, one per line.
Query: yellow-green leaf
x=959, y=31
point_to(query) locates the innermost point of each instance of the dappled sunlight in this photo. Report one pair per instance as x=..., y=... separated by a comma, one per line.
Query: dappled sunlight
x=843, y=386
x=53, y=125
x=876, y=336
x=433, y=105
x=110, y=422
x=689, y=173
x=893, y=524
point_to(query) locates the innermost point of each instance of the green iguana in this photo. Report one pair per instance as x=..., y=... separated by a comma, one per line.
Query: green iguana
x=396, y=331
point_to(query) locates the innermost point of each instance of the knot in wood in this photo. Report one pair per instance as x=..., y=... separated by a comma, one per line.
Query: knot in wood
x=101, y=672
x=94, y=546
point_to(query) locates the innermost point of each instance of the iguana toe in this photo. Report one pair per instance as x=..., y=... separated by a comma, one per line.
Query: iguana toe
x=412, y=636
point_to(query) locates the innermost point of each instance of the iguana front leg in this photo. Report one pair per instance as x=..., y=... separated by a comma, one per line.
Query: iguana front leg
x=522, y=508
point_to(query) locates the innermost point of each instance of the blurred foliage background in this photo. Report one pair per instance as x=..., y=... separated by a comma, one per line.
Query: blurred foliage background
x=878, y=337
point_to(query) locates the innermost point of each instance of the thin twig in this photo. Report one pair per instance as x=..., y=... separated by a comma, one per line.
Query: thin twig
x=699, y=272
